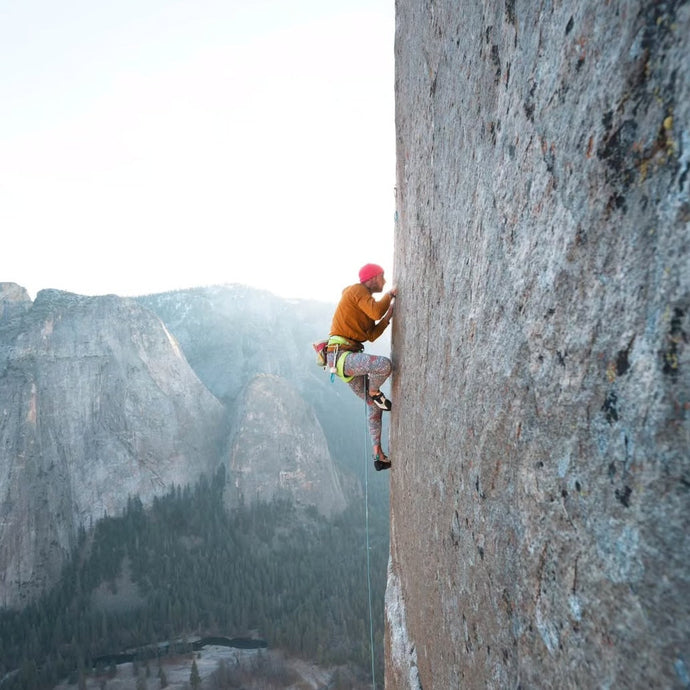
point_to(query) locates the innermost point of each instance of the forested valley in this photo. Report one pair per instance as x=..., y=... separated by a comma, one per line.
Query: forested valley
x=188, y=567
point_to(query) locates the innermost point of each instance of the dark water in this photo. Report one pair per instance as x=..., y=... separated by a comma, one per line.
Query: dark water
x=167, y=649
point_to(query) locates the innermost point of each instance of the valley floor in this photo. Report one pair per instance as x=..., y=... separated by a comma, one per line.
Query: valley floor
x=219, y=668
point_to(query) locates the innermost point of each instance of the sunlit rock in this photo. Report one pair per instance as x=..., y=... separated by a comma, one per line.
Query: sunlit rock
x=541, y=429
x=97, y=403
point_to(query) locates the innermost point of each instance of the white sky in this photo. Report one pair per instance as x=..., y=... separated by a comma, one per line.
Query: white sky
x=150, y=145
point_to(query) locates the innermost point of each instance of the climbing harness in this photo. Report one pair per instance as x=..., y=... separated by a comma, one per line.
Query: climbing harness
x=345, y=343
x=342, y=347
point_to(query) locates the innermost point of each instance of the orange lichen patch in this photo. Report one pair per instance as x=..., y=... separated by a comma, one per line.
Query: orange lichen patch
x=663, y=148
x=611, y=372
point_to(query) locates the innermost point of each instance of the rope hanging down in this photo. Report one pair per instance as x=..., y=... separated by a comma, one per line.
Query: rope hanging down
x=366, y=527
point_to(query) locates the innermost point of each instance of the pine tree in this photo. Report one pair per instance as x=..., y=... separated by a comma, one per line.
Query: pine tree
x=194, y=677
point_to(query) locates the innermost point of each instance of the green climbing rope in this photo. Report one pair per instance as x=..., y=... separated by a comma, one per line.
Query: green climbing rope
x=366, y=529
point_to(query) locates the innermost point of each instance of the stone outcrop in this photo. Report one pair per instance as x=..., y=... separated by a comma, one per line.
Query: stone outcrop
x=540, y=494
x=97, y=402
x=279, y=449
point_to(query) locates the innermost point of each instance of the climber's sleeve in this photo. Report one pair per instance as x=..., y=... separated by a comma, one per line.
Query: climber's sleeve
x=374, y=309
x=377, y=330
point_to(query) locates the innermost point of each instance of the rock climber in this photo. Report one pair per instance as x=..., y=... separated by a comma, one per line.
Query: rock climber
x=359, y=317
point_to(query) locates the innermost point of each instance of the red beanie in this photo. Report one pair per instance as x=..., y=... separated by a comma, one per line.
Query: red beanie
x=369, y=271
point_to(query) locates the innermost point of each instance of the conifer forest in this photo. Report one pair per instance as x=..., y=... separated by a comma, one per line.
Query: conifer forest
x=188, y=567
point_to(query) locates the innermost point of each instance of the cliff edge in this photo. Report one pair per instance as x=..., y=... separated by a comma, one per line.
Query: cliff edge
x=540, y=493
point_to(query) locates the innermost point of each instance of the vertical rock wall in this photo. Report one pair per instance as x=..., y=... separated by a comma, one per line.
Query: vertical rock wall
x=97, y=403
x=540, y=495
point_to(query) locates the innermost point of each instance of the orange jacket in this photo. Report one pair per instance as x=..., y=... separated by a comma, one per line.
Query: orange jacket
x=357, y=313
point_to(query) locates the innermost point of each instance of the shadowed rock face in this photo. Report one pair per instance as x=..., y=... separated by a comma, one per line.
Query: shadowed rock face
x=541, y=429
x=97, y=403
x=279, y=449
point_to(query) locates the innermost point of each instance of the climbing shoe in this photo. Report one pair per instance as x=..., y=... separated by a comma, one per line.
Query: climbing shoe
x=381, y=401
x=381, y=462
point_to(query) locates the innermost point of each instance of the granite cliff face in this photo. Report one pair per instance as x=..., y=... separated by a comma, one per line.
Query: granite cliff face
x=97, y=403
x=540, y=494
x=279, y=449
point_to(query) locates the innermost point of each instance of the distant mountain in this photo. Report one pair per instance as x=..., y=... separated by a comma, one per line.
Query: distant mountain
x=98, y=402
x=231, y=333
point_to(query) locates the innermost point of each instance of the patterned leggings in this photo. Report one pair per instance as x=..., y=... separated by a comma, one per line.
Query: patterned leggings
x=378, y=369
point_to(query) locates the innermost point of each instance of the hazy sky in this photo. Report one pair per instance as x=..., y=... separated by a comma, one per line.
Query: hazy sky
x=149, y=145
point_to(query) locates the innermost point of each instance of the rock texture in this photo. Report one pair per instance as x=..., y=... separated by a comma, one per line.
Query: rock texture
x=279, y=449
x=97, y=403
x=540, y=494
